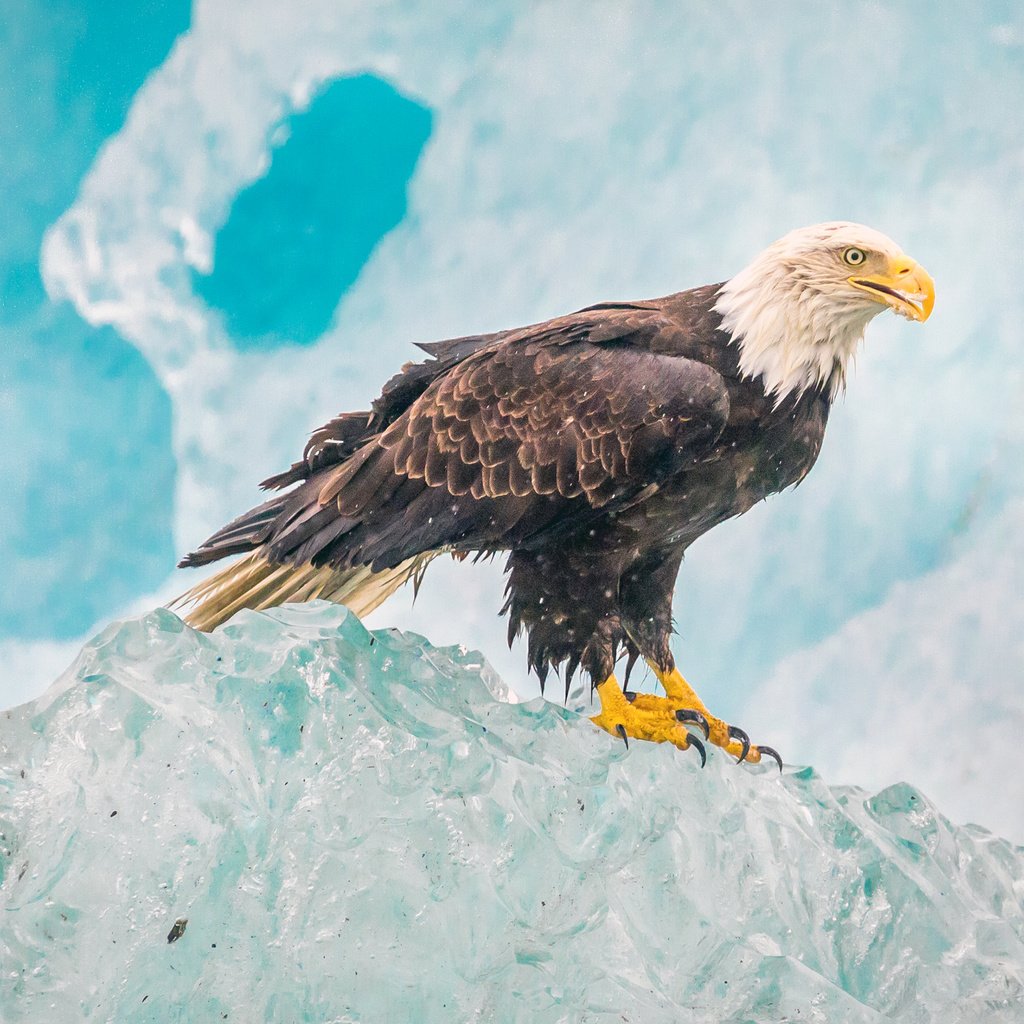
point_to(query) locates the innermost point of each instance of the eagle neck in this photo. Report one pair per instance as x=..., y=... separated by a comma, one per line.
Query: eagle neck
x=790, y=336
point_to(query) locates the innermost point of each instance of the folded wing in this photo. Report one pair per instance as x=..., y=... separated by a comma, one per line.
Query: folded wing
x=540, y=429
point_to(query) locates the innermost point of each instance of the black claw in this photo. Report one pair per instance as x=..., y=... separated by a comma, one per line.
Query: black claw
x=736, y=733
x=621, y=730
x=771, y=752
x=688, y=715
x=630, y=662
x=630, y=695
x=692, y=741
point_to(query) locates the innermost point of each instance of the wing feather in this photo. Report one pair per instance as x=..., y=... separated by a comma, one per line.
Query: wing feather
x=516, y=435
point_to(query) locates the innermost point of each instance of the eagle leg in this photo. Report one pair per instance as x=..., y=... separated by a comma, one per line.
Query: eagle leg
x=621, y=717
x=680, y=698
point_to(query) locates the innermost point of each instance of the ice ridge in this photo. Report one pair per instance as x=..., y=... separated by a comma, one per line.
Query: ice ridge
x=295, y=819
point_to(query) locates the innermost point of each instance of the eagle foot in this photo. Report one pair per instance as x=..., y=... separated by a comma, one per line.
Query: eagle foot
x=690, y=708
x=685, y=715
x=767, y=751
x=621, y=717
x=736, y=733
x=644, y=716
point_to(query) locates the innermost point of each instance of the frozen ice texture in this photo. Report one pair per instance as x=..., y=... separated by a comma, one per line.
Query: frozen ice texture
x=298, y=237
x=357, y=826
x=86, y=460
x=86, y=434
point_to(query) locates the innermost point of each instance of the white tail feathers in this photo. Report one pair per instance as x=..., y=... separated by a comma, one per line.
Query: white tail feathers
x=254, y=582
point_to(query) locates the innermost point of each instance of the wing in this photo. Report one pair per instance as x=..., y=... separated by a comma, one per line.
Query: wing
x=337, y=439
x=543, y=428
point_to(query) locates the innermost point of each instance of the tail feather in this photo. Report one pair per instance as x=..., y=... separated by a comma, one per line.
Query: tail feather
x=256, y=582
x=242, y=534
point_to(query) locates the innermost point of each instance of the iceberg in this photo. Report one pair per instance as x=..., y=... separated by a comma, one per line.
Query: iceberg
x=296, y=819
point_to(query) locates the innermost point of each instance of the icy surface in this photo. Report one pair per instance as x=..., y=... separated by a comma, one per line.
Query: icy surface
x=355, y=827
x=298, y=237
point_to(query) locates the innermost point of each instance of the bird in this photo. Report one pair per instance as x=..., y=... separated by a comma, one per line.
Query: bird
x=591, y=450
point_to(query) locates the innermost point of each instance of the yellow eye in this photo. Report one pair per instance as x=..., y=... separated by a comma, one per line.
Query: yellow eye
x=854, y=257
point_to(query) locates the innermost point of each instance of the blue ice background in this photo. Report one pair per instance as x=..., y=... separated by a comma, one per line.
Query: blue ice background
x=84, y=420
x=296, y=239
x=291, y=198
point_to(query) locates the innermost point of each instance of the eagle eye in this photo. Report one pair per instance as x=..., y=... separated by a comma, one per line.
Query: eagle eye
x=854, y=257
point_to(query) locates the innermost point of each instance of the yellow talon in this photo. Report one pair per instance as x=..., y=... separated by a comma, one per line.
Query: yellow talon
x=657, y=723
x=648, y=717
x=681, y=693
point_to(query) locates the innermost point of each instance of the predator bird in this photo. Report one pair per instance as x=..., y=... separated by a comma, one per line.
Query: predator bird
x=593, y=449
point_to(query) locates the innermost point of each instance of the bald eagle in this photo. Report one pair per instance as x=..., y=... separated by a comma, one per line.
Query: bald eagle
x=593, y=449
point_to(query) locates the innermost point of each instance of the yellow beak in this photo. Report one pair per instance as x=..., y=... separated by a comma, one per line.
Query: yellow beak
x=906, y=287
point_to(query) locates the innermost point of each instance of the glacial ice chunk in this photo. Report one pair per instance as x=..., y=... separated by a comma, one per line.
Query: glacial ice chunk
x=297, y=820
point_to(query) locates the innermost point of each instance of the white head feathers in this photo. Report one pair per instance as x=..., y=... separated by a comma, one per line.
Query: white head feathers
x=799, y=310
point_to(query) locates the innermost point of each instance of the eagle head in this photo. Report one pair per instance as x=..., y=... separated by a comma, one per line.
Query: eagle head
x=799, y=310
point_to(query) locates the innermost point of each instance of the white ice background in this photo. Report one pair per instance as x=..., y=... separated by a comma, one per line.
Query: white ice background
x=868, y=622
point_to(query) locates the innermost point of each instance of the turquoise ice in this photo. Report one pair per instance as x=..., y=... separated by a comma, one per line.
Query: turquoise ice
x=84, y=420
x=297, y=238
x=355, y=826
